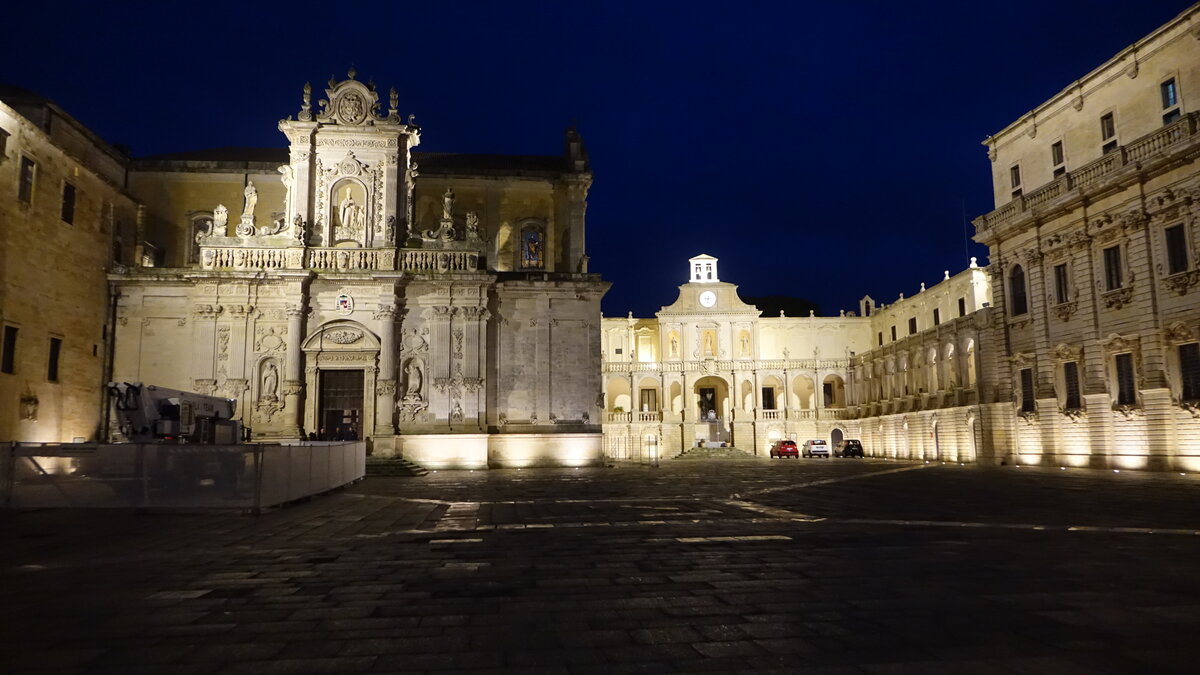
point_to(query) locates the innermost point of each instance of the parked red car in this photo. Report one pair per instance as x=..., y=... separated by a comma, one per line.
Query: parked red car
x=785, y=449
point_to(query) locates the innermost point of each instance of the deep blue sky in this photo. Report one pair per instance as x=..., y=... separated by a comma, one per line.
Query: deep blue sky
x=823, y=150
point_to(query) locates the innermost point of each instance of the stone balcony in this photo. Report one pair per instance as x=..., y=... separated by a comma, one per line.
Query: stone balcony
x=1158, y=147
x=245, y=258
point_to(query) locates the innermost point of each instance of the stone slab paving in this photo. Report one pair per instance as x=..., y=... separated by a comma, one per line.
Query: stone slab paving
x=827, y=566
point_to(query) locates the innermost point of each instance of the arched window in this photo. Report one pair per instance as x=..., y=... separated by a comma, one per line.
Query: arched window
x=532, y=253
x=1016, y=284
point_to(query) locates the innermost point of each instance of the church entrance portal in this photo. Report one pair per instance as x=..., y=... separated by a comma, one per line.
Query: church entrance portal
x=708, y=404
x=341, y=403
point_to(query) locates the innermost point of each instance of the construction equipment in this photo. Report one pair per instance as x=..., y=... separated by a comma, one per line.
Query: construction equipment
x=150, y=414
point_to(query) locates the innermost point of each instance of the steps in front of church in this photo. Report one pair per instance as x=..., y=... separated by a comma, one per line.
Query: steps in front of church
x=714, y=453
x=394, y=466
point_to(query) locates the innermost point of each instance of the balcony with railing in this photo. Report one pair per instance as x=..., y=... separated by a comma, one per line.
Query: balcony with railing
x=233, y=257
x=1134, y=156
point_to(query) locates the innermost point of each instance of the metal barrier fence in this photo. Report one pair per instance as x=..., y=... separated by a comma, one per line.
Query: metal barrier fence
x=241, y=477
x=633, y=449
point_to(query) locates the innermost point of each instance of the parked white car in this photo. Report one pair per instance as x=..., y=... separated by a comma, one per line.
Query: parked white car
x=817, y=448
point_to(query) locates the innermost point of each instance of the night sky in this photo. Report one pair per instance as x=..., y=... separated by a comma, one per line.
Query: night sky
x=824, y=151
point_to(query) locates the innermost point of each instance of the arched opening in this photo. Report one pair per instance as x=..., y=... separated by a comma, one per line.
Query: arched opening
x=532, y=255
x=969, y=356
x=937, y=444
x=648, y=395
x=950, y=372
x=1016, y=281
x=676, y=393
x=618, y=397
x=931, y=365
x=802, y=392
x=712, y=399
x=771, y=396
x=746, y=395
x=836, y=436
x=833, y=391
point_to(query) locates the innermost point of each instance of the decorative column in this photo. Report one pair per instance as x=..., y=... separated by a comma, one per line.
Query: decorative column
x=385, y=390
x=292, y=384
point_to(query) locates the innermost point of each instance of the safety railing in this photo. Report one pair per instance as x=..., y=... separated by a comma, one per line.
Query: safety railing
x=240, y=477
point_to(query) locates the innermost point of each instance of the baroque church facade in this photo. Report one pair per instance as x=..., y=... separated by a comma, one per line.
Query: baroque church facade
x=438, y=305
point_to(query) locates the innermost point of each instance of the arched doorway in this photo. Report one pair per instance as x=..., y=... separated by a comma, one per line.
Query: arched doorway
x=711, y=395
x=342, y=366
x=836, y=436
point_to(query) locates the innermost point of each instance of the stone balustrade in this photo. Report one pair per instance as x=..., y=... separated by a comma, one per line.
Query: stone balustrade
x=352, y=258
x=1155, y=145
x=702, y=368
x=247, y=258
x=433, y=260
x=336, y=259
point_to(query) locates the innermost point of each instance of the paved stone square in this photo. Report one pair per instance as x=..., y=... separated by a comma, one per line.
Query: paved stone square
x=840, y=566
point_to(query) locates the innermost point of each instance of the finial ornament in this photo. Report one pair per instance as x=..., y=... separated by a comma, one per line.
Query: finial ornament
x=393, y=101
x=306, y=103
x=973, y=265
x=947, y=275
x=351, y=73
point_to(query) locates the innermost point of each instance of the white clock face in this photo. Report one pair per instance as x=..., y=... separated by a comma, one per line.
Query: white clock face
x=708, y=298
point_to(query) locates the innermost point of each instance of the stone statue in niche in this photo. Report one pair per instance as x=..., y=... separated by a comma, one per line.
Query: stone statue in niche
x=412, y=381
x=352, y=216
x=674, y=345
x=298, y=229
x=270, y=383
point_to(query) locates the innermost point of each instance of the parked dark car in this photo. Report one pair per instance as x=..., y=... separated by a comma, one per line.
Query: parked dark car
x=784, y=448
x=848, y=448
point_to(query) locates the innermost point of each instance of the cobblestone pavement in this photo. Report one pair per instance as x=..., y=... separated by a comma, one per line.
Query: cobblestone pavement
x=838, y=566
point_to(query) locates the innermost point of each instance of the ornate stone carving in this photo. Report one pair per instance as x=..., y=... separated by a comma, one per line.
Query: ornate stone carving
x=343, y=336
x=386, y=387
x=384, y=313
x=1064, y=310
x=1181, y=282
x=1066, y=352
x=413, y=341
x=270, y=339
x=439, y=312
x=204, y=386
x=206, y=311
x=456, y=413
x=472, y=226
x=1179, y=333
x=457, y=350
x=236, y=386
x=292, y=387
x=1118, y=298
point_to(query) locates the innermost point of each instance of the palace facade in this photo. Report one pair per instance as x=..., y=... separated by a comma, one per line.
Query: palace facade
x=709, y=369
x=1078, y=345
x=1093, y=249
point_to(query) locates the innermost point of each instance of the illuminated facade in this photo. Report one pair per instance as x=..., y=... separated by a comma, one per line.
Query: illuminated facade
x=65, y=217
x=1095, y=266
x=905, y=378
x=349, y=286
